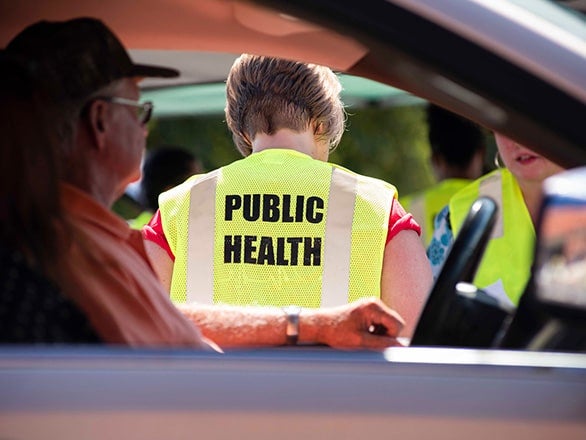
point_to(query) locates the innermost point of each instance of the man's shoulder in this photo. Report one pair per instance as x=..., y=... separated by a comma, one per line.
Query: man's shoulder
x=83, y=210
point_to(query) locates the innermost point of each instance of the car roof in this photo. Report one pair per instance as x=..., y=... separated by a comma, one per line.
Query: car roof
x=516, y=70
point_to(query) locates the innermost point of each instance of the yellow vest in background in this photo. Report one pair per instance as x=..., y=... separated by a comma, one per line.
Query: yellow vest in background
x=142, y=219
x=277, y=228
x=509, y=253
x=426, y=204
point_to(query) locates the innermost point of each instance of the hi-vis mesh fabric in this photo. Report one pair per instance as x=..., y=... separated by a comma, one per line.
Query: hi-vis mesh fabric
x=277, y=228
x=425, y=205
x=509, y=253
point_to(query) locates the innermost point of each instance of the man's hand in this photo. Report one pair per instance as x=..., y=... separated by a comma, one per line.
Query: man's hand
x=366, y=323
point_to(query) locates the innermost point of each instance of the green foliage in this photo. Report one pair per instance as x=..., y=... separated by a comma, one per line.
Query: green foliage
x=207, y=136
x=390, y=144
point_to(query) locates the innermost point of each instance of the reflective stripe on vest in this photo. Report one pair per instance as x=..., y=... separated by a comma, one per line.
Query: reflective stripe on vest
x=336, y=271
x=200, y=247
x=509, y=254
x=351, y=240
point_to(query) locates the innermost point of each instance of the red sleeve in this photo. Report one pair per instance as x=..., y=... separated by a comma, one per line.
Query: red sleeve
x=400, y=220
x=153, y=231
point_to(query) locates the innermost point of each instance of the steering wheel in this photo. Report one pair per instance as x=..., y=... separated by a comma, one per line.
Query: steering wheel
x=460, y=265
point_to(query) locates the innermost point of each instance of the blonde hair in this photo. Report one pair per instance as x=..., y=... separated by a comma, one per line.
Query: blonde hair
x=266, y=94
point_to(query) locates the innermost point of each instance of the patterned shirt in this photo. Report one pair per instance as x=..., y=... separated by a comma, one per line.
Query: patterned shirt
x=441, y=241
x=33, y=310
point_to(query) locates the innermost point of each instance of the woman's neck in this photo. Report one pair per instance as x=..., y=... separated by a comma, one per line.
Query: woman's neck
x=302, y=142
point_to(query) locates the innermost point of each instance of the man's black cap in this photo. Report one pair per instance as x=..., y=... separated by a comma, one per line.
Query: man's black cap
x=77, y=57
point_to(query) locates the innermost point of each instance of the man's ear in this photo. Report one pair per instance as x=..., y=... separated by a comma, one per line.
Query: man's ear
x=100, y=124
x=96, y=122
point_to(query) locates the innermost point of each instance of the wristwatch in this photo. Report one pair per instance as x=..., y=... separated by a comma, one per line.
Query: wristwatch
x=292, y=332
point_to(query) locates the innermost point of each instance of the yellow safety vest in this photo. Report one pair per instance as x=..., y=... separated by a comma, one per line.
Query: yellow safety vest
x=426, y=204
x=142, y=219
x=509, y=253
x=277, y=228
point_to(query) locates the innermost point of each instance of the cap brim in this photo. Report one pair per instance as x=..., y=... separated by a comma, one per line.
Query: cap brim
x=147, y=71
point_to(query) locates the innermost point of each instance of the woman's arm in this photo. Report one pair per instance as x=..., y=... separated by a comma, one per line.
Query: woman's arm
x=406, y=278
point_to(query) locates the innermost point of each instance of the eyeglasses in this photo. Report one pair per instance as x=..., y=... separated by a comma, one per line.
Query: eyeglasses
x=144, y=109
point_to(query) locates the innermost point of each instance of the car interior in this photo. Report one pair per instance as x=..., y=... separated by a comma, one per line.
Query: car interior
x=457, y=314
x=348, y=42
x=512, y=360
x=203, y=55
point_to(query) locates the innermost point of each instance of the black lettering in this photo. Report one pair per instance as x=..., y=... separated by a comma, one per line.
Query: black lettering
x=266, y=253
x=287, y=218
x=299, y=209
x=281, y=260
x=232, y=202
x=235, y=246
x=249, y=248
x=232, y=249
x=312, y=250
x=270, y=208
x=311, y=214
x=251, y=208
x=294, y=242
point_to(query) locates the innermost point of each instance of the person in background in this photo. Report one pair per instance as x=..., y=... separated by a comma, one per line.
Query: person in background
x=283, y=225
x=32, y=309
x=506, y=264
x=163, y=168
x=457, y=156
x=103, y=266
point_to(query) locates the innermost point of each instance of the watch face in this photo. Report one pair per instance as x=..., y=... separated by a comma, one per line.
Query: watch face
x=292, y=331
